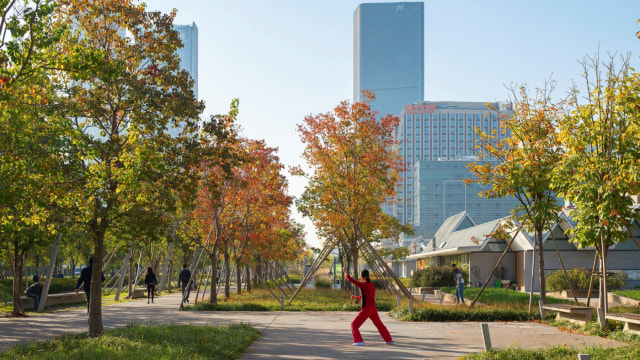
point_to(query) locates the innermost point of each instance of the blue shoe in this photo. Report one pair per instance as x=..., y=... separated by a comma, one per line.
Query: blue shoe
x=358, y=344
x=390, y=343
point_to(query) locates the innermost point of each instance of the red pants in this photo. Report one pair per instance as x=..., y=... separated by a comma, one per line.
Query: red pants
x=363, y=315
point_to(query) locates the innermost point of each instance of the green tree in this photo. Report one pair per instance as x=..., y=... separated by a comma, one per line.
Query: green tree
x=601, y=167
x=124, y=93
x=527, y=150
x=31, y=165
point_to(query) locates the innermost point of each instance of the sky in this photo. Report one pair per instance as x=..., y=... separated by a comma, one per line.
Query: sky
x=287, y=59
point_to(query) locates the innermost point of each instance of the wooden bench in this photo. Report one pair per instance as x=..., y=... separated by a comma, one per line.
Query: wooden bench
x=56, y=299
x=571, y=313
x=632, y=321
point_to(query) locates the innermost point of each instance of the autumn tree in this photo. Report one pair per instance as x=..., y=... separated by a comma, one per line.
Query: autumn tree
x=31, y=164
x=602, y=164
x=518, y=161
x=123, y=91
x=354, y=170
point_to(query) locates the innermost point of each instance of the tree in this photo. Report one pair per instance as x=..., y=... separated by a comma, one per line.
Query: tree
x=123, y=91
x=602, y=164
x=527, y=150
x=31, y=164
x=355, y=169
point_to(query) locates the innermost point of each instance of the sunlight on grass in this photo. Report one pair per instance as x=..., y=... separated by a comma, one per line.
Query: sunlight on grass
x=145, y=342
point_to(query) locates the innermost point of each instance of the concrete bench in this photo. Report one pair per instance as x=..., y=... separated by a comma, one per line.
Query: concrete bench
x=632, y=321
x=571, y=313
x=139, y=293
x=56, y=299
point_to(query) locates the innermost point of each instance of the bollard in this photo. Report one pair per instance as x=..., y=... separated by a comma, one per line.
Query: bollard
x=281, y=302
x=584, y=357
x=398, y=300
x=410, y=307
x=424, y=296
x=601, y=318
x=486, y=337
x=441, y=297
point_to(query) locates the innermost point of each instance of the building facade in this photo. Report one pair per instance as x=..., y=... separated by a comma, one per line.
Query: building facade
x=388, y=54
x=189, y=52
x=438, y=139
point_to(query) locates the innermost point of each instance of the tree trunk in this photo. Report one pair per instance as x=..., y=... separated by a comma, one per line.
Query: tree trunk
x=95, y=304
x=238, y=277
x=227, y=276
x=213, y=293
x=543, y=285
x=354, y=259
x=16, y=262
x=248, y=277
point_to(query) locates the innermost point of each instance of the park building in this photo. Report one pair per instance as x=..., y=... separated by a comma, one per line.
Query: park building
x=475, y=248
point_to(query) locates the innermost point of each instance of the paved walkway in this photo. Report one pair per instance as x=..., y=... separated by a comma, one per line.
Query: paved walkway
x=305, y=335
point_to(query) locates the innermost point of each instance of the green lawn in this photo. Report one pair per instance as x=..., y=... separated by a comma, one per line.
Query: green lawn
x=502, y=297
x=306, y=300
x=559, y=353
x=144, y=342
x=632, y=294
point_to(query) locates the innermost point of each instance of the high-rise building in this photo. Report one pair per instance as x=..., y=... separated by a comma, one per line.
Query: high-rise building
x=189, y=52
x=388, y=54
x=437, y=140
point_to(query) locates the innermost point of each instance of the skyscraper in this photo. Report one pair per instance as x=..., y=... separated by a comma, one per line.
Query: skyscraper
x=388, y=54
x=189, y=52
x=437, y=140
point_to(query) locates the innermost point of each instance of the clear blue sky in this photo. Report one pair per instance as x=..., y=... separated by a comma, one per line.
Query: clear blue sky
x=285, y=59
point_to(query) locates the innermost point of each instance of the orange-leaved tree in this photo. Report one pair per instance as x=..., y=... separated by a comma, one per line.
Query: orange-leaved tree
x=355, y=169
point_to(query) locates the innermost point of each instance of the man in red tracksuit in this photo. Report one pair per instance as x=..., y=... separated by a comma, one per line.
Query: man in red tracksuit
x=368, y=311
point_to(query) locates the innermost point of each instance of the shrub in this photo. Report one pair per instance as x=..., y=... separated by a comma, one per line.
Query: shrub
x=435, y=313
x=434, y=277
x=580, y=279
x=322, y=283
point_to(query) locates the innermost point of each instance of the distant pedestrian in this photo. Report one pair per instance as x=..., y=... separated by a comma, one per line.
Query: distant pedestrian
x=150, y=281
x=459, y=280
x=85, y=277
x=369, y=310
x=35, y=291
x=60, y=275
x=183, y=281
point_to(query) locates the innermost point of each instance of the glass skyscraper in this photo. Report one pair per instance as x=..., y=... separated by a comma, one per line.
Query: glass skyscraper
x=388, y=54
x=189, y=52
x=437, y=140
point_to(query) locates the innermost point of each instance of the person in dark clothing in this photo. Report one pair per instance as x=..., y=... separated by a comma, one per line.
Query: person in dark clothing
x=369, y=310
x=150, y=281
x=85, y=277
x=183, y=281
x=35, y=292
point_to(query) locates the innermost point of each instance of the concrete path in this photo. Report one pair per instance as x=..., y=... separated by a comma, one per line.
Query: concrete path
x=305, y=335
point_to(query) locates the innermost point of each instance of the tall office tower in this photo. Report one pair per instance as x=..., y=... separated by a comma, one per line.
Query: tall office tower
x=441, y=135
x=189, y=52
x=388, y=54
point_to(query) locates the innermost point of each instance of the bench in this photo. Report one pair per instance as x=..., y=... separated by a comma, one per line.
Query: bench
x=572, y=313
x=632, y=321
x=56, y=299
x=139, y=293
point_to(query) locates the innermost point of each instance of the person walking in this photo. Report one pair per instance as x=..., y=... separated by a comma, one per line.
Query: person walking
x=183, y=281
x=151, y=282
x=85, y=277
x=368, y=311
x=35, y=292
x=459, y=280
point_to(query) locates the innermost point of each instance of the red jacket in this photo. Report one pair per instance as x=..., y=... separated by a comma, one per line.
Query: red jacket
x=368, y=292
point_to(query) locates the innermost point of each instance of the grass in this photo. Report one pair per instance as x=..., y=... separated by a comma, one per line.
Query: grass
x=632, y=294
x=614, y=331
x=144, y=342
x=106, y=300
x=306, y=300
x=504, y=298
x=558, y=352
x=431, y=312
